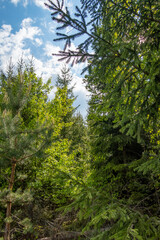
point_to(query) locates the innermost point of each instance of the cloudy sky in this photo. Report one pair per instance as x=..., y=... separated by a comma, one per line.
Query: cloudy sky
x=26, y=29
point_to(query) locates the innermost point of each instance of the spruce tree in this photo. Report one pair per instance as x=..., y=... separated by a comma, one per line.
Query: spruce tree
x=125, y=59
x=123, y=78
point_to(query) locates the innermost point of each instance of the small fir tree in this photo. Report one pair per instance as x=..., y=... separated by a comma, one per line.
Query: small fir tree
x=64, y=81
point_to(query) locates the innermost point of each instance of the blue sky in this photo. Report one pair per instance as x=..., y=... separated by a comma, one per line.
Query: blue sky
x=26, y=29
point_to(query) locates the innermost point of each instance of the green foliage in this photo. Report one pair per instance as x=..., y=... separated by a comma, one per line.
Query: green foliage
x=106, y=184
x=64, y=80
x=125, y=58
x=120, y=199
x=27, y=226
x=21, y=137
x=65, y=166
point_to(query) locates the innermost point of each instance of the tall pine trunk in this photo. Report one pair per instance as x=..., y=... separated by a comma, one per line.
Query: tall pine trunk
x=7, y=233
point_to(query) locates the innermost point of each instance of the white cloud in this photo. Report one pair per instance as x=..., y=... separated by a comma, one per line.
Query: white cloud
x=14, y=45
x=50, y=49
x=25, y=3
x=48, y=24
x=40, y=3
x=5, y=32
x=51, y=28
x=79, y=85
x=27, y=30
x=15, y=1
x=69, y=4
x=38, y=42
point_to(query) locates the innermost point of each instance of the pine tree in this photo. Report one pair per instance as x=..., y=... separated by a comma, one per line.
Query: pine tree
x=18, y=142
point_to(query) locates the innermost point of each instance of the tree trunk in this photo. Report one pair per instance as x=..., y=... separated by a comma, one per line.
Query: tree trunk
x=7, y=232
